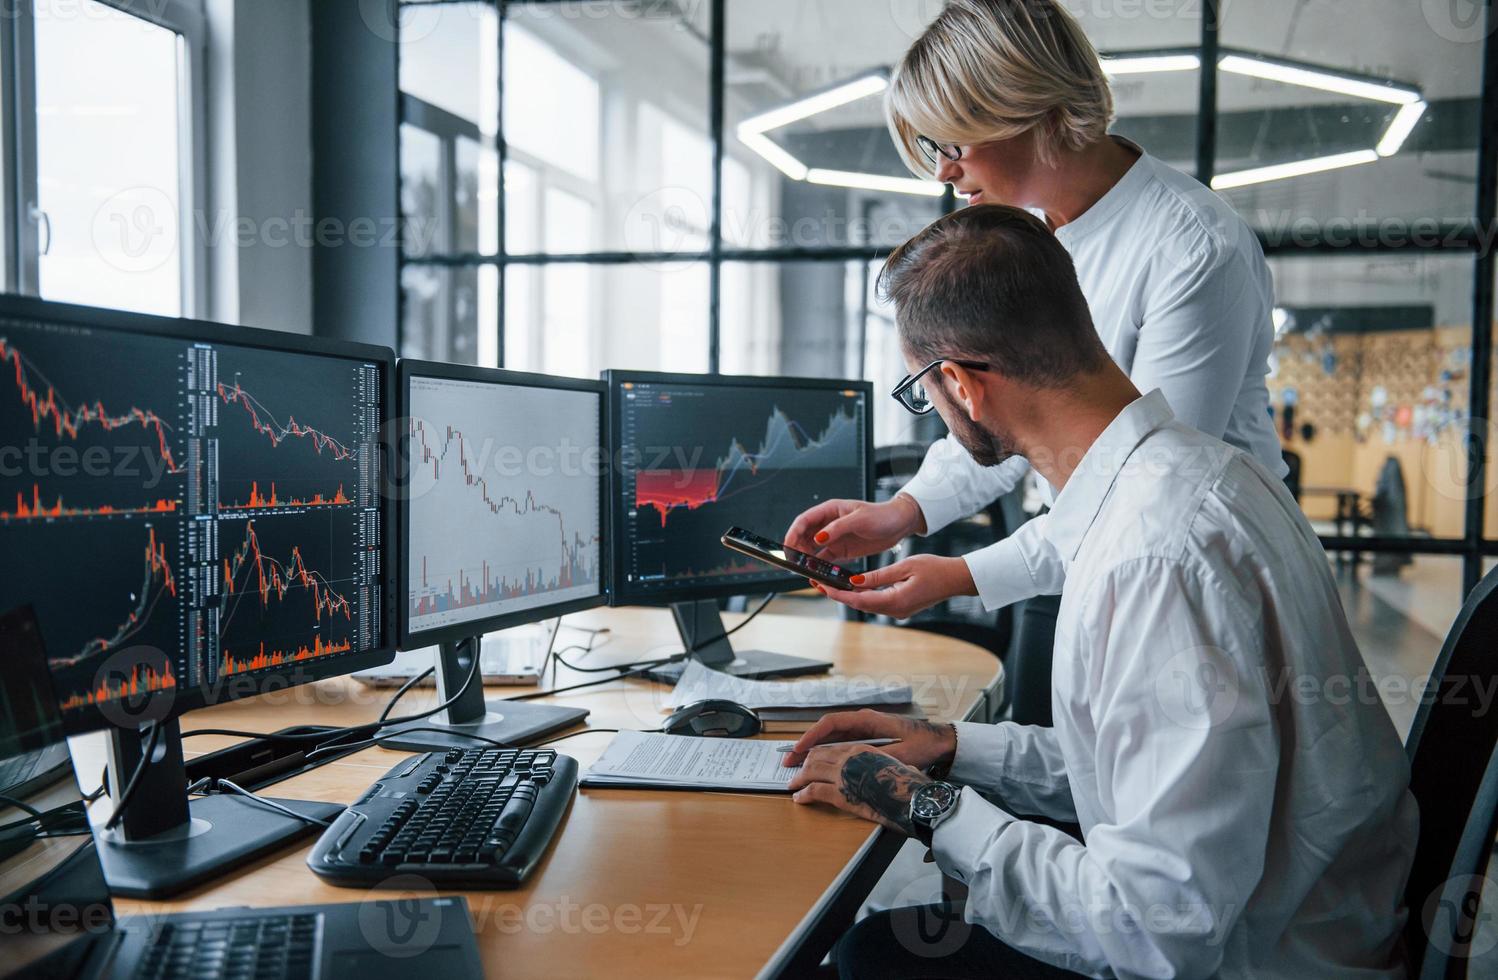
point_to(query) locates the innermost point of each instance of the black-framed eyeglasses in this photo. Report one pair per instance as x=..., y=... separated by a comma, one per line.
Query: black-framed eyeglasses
x=912, y=394
x=934, y=151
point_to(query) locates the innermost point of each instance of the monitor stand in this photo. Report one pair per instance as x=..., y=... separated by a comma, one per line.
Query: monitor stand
x=166, y=844
x=506, y=722
x=703, y=633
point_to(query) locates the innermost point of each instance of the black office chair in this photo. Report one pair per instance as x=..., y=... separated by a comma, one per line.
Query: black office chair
x=1454, y=732
x=1455, y=914
x=1388, y=516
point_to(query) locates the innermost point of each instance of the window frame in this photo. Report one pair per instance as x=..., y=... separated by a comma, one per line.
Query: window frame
x=1462, y=239
x=24, y=220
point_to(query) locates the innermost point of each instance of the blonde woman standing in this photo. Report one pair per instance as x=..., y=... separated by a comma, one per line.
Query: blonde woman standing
x=1007, y=101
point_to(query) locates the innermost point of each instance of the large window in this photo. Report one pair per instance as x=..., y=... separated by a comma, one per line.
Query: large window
x=106, y=154
x=1346, y=132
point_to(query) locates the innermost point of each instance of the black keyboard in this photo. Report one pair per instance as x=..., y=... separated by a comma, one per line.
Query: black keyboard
x=272, y=947
x=480, y=818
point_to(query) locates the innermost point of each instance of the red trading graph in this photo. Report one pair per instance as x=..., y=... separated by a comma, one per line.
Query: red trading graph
x=230, y=664
x=258, y=501
x=666, y=490
x=36, y=510
x=142, y=680
x=250, y=568
x=264, y=423
x=67, y=420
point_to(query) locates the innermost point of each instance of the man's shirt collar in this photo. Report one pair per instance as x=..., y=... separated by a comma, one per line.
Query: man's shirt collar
x=1078, y=503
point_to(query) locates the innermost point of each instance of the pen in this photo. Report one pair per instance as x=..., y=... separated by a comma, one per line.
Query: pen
x=876, y=742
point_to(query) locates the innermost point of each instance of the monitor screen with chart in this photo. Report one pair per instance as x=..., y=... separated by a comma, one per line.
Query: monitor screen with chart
x=194, y=512
x=502, y=499
x=697, y=454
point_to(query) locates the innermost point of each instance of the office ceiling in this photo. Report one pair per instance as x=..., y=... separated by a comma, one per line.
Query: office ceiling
x=796, y=46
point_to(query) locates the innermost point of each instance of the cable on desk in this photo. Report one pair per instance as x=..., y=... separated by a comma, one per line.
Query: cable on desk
x=373, y=739
x=422, y=728
x=589, y=648
x=21, y=805
x=384, y=715
x=135, y=778
x=636, y=669
x=473, y=671
x=628, y=671
x=447, y=731
x=593, y=644
x=209, y=784
x=33, y=815
x=410, y=683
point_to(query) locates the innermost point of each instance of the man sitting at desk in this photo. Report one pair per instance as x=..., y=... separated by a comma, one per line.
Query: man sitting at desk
x=1243, y=802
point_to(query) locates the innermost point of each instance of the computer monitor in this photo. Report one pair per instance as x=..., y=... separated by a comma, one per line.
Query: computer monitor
x=195, y=514
x=502, y=483
x=697, y=454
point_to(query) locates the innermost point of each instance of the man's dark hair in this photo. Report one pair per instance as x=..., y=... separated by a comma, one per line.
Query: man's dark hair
x=991, y=283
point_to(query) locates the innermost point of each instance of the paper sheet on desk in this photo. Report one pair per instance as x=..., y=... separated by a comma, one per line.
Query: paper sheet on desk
x=644, y=759
x=699, y=683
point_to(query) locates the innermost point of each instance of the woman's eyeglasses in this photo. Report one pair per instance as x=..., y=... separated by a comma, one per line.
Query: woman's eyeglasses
x=912, y=394
x=934, y=151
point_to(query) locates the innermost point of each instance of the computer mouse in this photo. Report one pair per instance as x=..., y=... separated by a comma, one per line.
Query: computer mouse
x=714, y=718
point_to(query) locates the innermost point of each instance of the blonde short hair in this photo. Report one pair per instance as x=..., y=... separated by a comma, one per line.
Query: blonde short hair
x=989, y=70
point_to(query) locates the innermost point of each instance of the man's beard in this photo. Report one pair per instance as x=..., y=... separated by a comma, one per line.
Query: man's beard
x=986, y=448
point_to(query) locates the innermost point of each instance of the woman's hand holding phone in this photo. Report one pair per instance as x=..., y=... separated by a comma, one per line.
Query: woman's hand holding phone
x=841, y=530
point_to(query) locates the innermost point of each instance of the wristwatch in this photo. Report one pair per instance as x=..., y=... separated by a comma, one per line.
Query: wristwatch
x=932, y=804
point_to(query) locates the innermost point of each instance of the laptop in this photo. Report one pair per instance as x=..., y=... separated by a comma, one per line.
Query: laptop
x=59, y=922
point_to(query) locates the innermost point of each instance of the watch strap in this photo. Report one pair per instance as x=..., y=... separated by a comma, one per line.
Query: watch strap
x=942, y=770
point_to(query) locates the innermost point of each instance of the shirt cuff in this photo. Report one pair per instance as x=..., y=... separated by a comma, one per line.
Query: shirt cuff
x=1001, y=574
x=961, y=840
x=939, y=504
x=978, y=746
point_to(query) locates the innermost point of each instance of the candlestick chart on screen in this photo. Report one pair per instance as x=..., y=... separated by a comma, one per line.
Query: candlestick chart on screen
x=138, y=467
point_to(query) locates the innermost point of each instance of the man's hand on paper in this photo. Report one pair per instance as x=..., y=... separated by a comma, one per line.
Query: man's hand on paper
x=922, y=745
x=866, y=782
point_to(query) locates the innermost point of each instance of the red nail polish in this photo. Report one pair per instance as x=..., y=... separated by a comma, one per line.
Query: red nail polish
x=822, y=537
x=857, y=580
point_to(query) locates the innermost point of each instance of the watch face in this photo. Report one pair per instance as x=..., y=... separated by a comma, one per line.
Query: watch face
x=932, y=800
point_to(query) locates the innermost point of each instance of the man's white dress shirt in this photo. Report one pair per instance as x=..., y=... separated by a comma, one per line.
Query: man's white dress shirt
x=1183, y=301
x=1242, y=795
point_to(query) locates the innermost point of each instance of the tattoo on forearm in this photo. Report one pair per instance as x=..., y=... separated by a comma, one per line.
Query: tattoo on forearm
x=938, y=731
x=882, y=784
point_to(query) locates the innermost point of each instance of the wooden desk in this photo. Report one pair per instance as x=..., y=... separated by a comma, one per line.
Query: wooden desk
x=636, y=883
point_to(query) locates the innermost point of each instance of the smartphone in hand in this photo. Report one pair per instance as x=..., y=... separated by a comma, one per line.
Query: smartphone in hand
x=774, y=553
